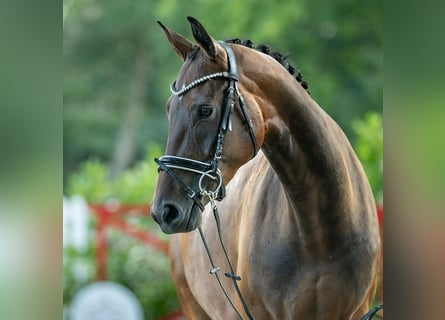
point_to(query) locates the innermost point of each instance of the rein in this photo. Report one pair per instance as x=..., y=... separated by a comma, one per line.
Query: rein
x=370, y=314
x=214, y=270
x=210, y=170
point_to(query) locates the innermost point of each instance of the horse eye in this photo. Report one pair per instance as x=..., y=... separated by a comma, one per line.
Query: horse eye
x=205, y=111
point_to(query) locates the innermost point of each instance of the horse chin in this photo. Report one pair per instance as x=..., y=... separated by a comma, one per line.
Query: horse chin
x=194, y=218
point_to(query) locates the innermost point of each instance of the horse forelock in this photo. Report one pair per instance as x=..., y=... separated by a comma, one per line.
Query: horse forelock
x=194, y=54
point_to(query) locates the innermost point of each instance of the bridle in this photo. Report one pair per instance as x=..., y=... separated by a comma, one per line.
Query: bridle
x=210, y=170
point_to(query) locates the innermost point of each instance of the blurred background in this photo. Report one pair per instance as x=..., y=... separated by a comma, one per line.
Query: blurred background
x=118, y=67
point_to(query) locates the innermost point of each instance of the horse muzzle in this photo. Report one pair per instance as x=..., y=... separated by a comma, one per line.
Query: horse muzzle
x=173, y=219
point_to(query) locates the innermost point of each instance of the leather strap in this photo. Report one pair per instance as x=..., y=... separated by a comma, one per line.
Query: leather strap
x=187, y=190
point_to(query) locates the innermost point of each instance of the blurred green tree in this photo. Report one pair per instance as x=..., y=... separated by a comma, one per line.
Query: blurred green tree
x=118, y=66
x=142, y=269
x=369, y=148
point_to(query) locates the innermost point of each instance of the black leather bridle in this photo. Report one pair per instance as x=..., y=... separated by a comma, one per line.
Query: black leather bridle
x=167, y=163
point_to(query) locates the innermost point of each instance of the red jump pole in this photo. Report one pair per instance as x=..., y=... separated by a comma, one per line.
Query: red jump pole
x=101, y=243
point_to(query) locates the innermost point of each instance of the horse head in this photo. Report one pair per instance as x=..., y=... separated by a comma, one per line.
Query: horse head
x=213, y=130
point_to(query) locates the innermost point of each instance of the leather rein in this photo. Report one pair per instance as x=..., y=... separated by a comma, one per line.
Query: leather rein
x=210, y=170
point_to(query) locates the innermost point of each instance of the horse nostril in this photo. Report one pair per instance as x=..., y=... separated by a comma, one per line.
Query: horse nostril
x=170, y=213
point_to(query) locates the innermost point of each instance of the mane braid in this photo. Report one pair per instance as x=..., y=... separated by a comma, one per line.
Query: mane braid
x=282, y=59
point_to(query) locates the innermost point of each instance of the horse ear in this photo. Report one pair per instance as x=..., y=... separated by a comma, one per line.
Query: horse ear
x=180, y=44
x=205, y=41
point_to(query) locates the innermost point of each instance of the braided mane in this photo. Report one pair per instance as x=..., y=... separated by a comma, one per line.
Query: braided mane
x=282, y=59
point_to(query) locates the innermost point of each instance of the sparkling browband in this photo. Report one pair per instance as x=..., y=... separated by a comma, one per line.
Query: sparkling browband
x=201, y=80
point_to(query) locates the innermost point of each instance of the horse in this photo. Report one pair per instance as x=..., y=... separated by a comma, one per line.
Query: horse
x=297, y=215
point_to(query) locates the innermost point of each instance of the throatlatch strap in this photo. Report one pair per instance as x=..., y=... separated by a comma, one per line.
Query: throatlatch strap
x=246, y=117
x=233, y=82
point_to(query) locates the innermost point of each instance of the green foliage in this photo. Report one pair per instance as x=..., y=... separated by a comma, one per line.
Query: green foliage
x=140, y=268
x=92, y=181
x=78, y=270
x=369, y=148
x=145, y=272
x=131, y=263
x=336, y=45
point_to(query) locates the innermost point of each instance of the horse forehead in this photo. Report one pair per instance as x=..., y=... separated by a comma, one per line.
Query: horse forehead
x=197, y=65
x=192, y=68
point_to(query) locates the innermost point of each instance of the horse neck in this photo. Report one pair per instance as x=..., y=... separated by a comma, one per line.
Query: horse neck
x=302, y=144
x=309, y=152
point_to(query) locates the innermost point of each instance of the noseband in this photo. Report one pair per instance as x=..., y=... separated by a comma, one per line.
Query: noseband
x=210, y=170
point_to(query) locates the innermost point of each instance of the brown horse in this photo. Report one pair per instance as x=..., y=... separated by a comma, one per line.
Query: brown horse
x=299, y=219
